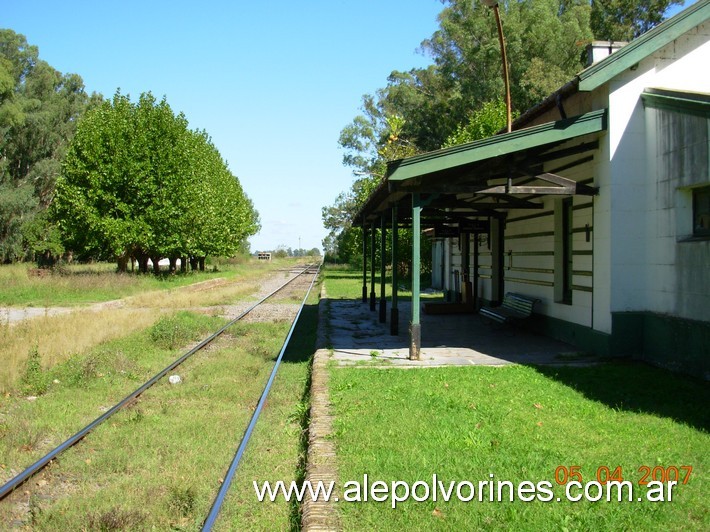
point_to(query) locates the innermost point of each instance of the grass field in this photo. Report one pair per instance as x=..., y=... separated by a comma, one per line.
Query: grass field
x=158, y=463
x=90, y=283
x=343, y=282
x=145, y=299
x=519, y=423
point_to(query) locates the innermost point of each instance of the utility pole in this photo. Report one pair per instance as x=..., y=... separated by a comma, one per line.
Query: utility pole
x=493, y=4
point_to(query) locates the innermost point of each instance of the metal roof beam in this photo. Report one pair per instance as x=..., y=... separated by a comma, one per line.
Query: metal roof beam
x=579, y=188
x=564, y=152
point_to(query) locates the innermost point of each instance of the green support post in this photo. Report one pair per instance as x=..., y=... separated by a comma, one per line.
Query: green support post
x=466, y=286
x=373, y=300
x=475, y=271
x=415, y=326
x=383, y=268
x=394, y=311
x=364, y=263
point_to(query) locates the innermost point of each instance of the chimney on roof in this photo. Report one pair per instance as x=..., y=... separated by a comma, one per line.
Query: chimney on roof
x=598, y=50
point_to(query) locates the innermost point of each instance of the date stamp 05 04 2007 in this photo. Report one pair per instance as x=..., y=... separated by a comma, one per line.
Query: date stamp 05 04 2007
x=604, y=474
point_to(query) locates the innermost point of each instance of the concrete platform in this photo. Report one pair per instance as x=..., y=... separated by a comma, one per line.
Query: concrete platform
x=358, y=338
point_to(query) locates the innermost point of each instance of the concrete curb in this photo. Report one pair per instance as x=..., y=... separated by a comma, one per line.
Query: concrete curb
x=322, y=466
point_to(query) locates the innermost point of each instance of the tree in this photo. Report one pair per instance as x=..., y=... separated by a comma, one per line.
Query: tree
x=39, y=108
x=220, y=217
x=44, y=238
x=103, y=193
x=624, y=20
x=137, y=183
x=544, y=40
x=341, y=241
x=483, y=123
x=410, y=115
x=16, y=204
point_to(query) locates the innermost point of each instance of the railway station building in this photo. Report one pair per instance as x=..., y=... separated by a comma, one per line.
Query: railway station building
x=596, y=205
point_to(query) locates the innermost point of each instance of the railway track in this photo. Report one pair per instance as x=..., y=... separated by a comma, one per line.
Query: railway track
x=310, y=274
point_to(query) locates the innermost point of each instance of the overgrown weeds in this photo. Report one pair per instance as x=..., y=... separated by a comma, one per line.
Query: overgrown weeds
x=181, y=500
x=22, y=436
x=35, y=380
x=177, y=330
x=158, y=463
x=115, y=518
x=59, y=337
x=80, y=283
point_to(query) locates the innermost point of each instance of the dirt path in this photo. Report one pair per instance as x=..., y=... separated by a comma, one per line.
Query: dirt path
x=15, y=315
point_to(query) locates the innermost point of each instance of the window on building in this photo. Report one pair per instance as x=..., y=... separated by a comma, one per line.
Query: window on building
x=567, y=250
x=701, y=211
x=564, y=251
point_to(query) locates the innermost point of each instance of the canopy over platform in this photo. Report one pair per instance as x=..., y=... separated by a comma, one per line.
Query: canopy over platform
x=487, y=177
x=469, y=190
x=464, y=187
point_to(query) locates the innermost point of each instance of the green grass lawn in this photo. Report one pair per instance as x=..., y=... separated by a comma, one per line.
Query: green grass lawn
x=344, y=282
x=521, y=423
x=518, y=424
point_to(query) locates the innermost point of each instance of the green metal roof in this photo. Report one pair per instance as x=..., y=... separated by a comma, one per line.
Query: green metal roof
x=693, y=103
x=496, y=146
x=476, y=162
x=643, y=46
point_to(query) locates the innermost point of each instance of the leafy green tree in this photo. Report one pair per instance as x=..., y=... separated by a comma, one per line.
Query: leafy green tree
x=222, y=217
x=624, y=20
x=342, y=242
x=16, y=203
x=43, y=237
x=544, y=41
x=104, y=193
x=39, y=108
x=137, y=183
x=483, y=123
x=408, y=116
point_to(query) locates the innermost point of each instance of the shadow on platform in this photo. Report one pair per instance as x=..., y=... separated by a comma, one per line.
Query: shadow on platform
x=357, y=337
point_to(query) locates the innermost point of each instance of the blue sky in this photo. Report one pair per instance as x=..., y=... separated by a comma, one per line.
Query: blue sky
x=272, y=82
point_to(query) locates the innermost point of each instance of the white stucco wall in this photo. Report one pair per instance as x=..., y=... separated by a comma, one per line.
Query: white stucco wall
x=643, y=206
x=533, y=259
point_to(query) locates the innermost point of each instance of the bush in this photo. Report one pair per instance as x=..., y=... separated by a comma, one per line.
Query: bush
x=178, y=330
x=34, y=380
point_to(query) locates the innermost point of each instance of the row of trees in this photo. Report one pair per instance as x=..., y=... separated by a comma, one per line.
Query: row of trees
x=107, y=179
x=138, y=183
x=283, y=251
x=459, y=97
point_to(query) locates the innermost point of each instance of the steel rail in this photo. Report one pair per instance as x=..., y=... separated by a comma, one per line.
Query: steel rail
x=224, y=488
x=13, y=483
